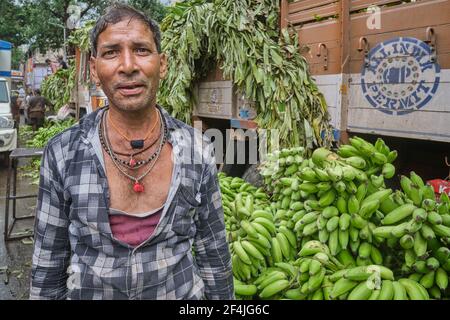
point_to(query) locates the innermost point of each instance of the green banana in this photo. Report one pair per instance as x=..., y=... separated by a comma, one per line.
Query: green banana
x=294, y=294
x=398, y=214
x=388, y=170
x=343, y=237
x=441, y=279
x=284, y=245
x=341, y=287
x=414, y=290
x=327, y=199
x=330, y=212
x=333, y=242
x=427, y=281
x=361, y=292
x=242, y=254
x=407, y=241
x=353, y=205
x=245, y=289
x=274, y=288
x=369, y=208
x=332, y=224
x=399, y=291
x=251, y=250
x=434, y=218
x=387, y=290
x=289, y=235
x=420, y=244
x=346, y=258
x=275, y=250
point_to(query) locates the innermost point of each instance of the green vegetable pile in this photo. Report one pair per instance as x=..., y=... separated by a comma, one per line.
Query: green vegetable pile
x=57, y=88
x=243, y=37
x=327, y=227
x=39, y=139
x=81, y=37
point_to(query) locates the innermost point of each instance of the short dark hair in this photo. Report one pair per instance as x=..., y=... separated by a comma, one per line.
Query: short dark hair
x=117, y=13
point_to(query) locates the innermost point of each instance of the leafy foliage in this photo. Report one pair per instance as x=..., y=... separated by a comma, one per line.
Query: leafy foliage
x=57, y=88
x=39, y=139
x=244, y=38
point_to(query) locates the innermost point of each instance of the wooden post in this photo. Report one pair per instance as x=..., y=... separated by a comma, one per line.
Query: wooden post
x=284, y=11
x=345, y=68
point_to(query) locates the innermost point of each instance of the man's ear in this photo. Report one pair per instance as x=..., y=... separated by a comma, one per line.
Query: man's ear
x=93, y=69
x=162, y=65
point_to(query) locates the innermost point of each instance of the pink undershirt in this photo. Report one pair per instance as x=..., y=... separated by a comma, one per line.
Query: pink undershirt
x=133, y=229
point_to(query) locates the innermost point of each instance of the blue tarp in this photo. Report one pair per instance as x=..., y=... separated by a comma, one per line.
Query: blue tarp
x=4, y=45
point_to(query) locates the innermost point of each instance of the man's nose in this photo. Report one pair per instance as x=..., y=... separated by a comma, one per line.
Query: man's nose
x=128, y=62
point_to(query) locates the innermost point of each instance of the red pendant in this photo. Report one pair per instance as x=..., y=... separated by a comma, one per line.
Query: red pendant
x=132, y=163
x=138, y=187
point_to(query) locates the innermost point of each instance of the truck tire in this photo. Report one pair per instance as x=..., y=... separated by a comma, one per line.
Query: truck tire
x=251, y=175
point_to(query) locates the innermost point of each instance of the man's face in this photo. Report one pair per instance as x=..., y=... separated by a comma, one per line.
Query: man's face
x=128, y=65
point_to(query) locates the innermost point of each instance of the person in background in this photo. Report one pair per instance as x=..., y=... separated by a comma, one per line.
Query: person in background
x=62, y=63
x=15, y=110
x=37, y=106
x=52, y=67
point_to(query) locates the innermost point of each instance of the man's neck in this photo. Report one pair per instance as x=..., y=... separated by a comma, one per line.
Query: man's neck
x=134, y=124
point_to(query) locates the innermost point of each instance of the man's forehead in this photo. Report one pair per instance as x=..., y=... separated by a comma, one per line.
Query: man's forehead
x=115, y=32
x=127, y=24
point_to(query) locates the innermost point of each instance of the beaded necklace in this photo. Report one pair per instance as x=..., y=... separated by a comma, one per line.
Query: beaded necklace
x=137, y=186
x=132, y=163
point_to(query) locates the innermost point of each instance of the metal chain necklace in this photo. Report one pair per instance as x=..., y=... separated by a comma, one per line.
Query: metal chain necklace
x=135, y=144
x=138, y=186
x=131, y=163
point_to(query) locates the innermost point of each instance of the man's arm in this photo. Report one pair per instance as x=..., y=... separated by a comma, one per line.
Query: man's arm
x=212, y=253
x=51, y=249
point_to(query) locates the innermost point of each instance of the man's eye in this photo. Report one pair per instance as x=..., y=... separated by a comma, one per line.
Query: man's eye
x=109, y=53
x=142, y=50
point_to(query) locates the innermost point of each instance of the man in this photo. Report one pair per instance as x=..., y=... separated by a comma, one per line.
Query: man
x=52, y=67
x=125, y=198
x=37, y=106
x=61, y=63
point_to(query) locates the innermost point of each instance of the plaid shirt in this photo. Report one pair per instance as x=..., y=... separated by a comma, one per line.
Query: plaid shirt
x=76, y=255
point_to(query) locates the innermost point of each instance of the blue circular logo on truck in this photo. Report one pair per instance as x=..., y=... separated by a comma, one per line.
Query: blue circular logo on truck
x=400, y=76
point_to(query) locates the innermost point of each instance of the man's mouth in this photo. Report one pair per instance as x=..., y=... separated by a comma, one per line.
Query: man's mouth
x=130, y=89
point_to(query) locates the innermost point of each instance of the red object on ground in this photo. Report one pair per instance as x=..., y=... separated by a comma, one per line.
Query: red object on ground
x=440, y=186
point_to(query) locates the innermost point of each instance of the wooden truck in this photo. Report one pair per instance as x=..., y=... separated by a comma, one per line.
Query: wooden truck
x=384, y=69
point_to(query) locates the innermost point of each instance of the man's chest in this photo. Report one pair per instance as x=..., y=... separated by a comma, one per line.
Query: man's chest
x=155, y=178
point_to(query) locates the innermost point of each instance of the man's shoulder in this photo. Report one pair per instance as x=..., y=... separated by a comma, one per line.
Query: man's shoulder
x=65, y=138
x=186, y=130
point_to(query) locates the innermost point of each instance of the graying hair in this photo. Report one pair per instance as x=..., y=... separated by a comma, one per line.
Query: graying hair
x=117, y=13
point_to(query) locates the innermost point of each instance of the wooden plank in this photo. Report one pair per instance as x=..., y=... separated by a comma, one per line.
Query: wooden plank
x=310, y=15
x=363, y=4
x=417, y=15
x=317, y=69
x=333, y=52
x=303, y=5
x=441, y=32
x=325, y=31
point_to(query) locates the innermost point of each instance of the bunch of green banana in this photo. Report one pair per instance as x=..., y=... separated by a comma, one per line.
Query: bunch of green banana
x=277, y=282
x=326, y=227
x=374, y=282
x=315, y=264
x=378, y=157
